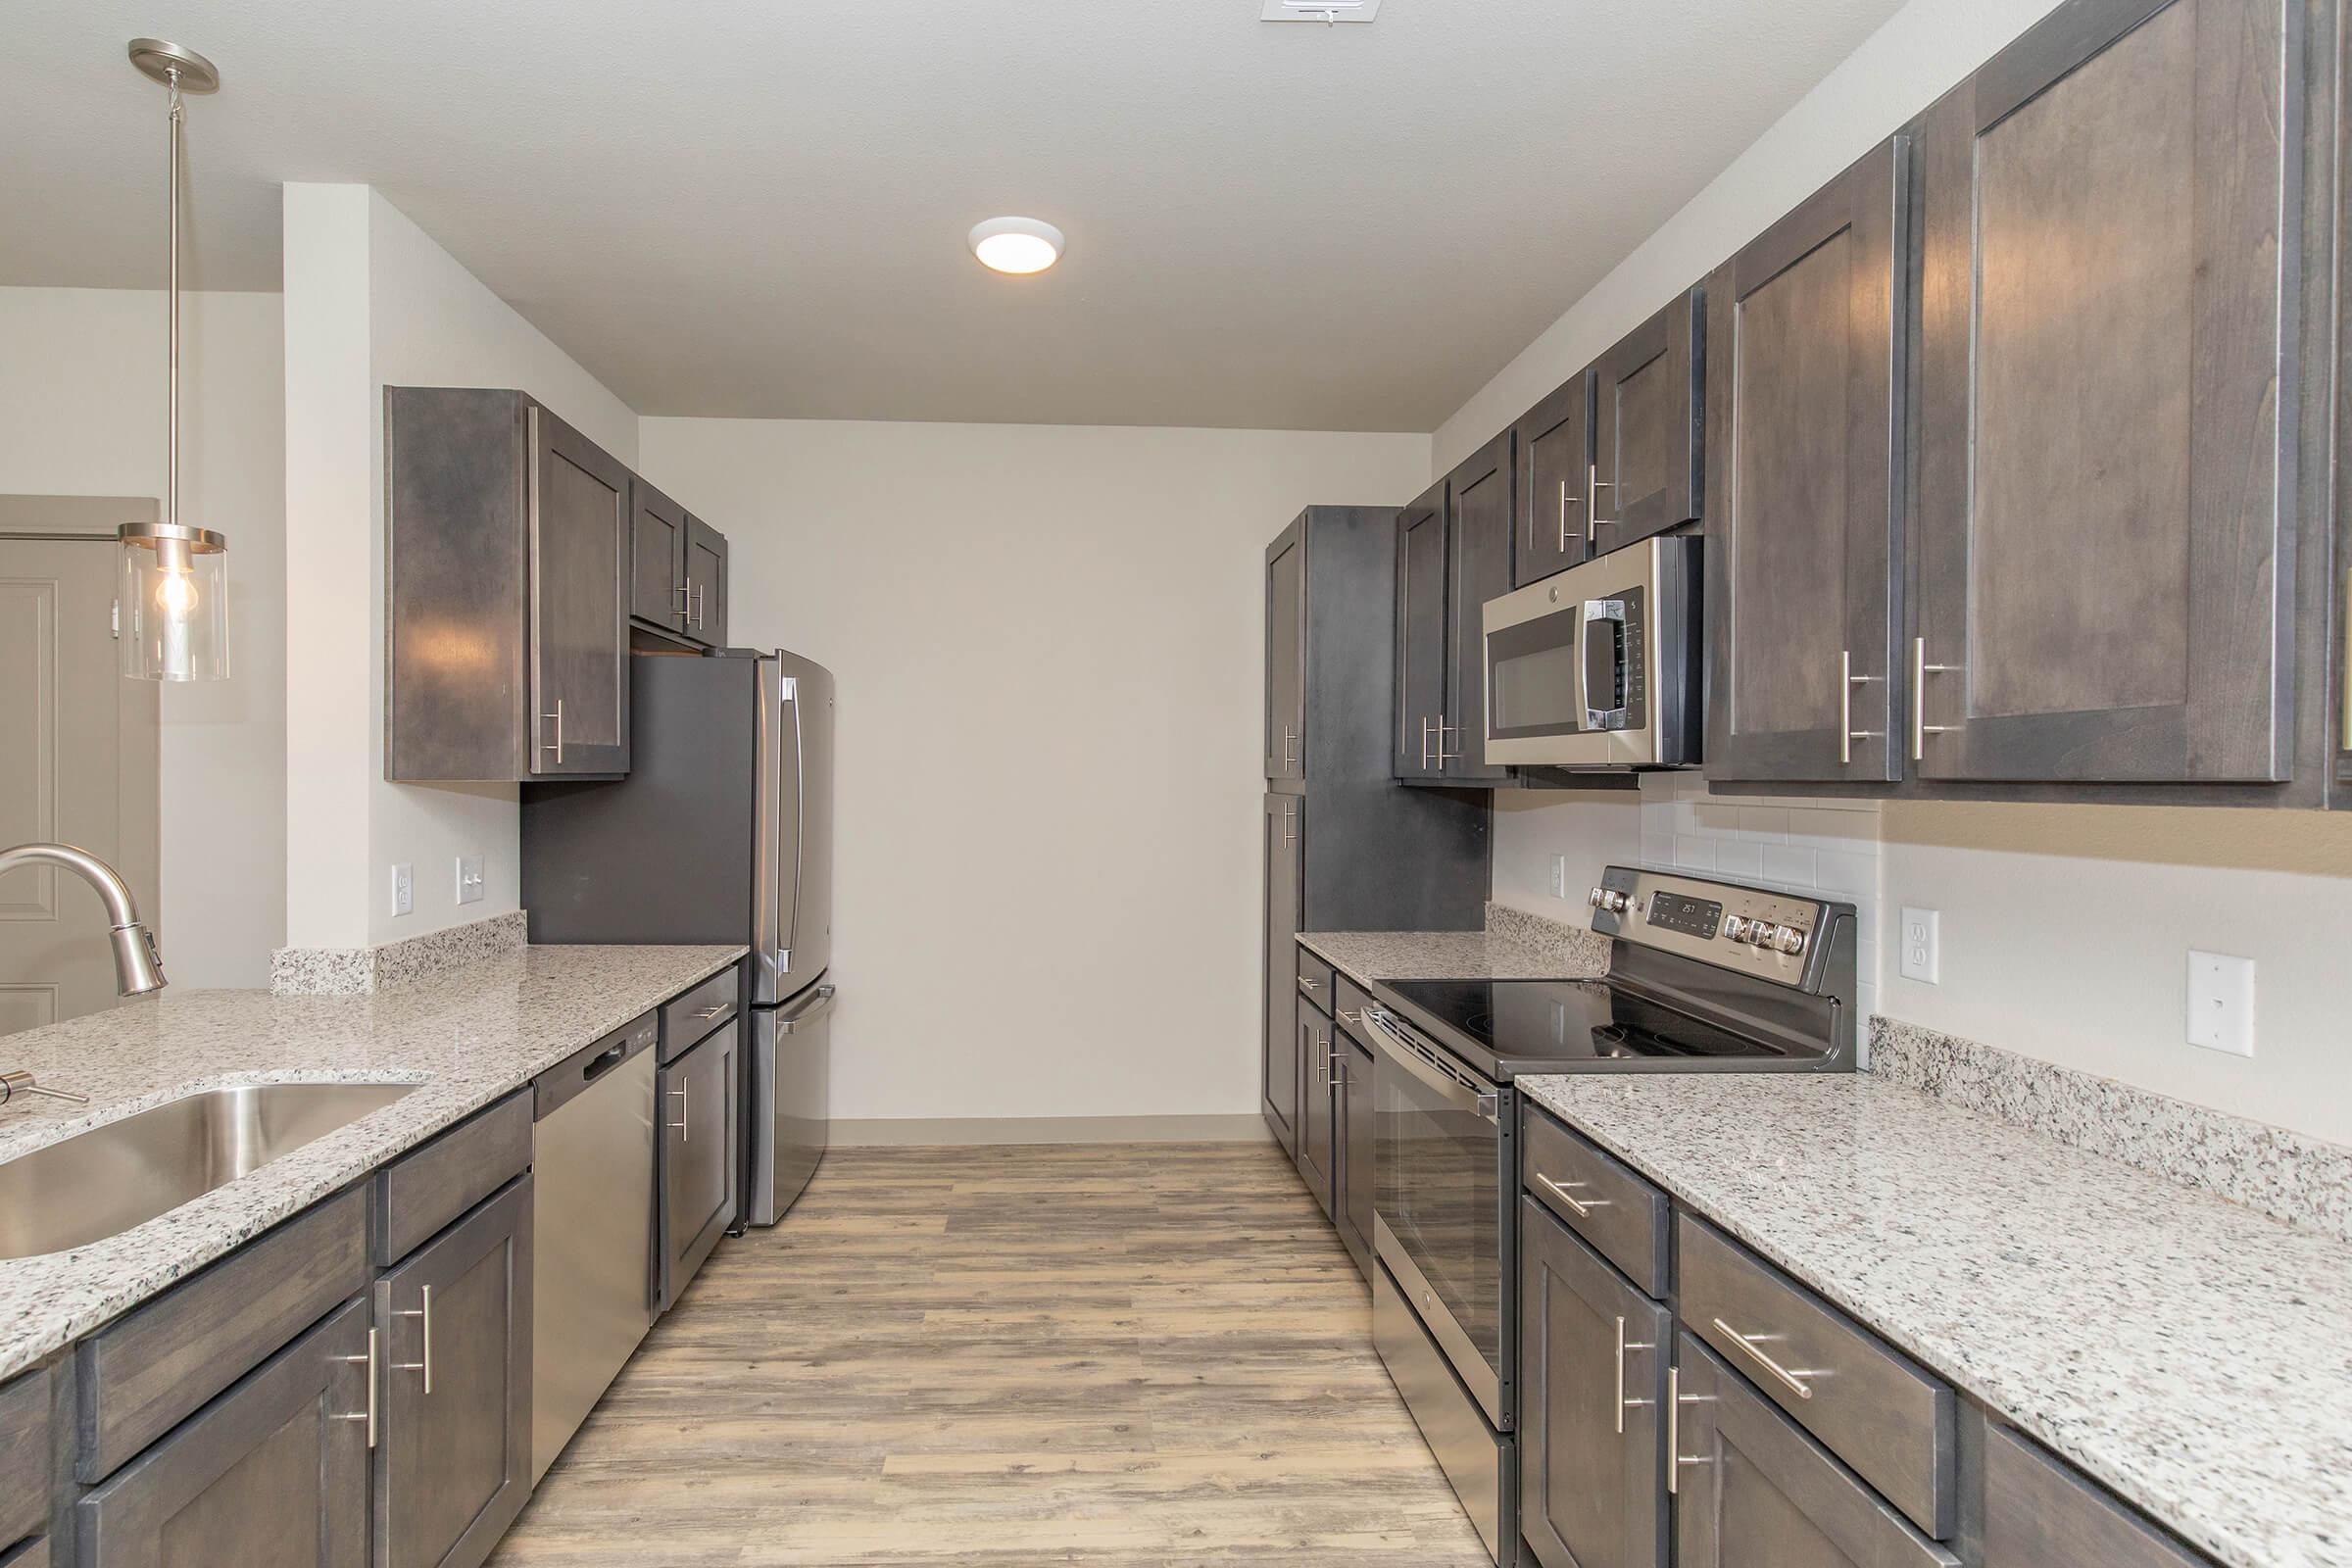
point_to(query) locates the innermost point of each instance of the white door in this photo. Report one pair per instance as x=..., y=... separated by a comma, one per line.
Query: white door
x=78, y=756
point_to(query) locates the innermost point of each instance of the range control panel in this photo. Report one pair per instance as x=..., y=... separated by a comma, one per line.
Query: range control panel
x=1770, y=935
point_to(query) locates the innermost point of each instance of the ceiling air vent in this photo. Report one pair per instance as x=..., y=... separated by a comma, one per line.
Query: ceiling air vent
x=1324, y=11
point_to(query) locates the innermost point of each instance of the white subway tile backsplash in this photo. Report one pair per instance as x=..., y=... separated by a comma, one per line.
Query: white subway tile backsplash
x=1715, y=821
x=1842, y=871
x=1693, y=854
x=1765, y=825
x=1739, y=859
x=1833, y=829
x=1657, y=850
x=1787, y=864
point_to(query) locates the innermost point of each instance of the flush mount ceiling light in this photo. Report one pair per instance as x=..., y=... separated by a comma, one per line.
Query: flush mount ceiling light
x=1017, y=244
x=1327, y=12
x=173, y=578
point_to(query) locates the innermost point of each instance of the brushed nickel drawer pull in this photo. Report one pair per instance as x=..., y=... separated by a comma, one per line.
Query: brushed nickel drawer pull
x=368, y=1415
x=1793, y=1381
x=424, y=1311
x=1350, y=1017
x=1309, y=985
x=711, y=1012
x=1584, y=1206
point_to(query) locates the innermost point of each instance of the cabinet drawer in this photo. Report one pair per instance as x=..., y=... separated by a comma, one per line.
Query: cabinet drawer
x=2038, y=1511
x=31, y=1554
x=688, y=1020
x=1874, y=1409
x=1315, y=979
x=1604, y=1202
x=155, y=1364
x=24, y=1456
x=427, y=1188
x=1348, y=1003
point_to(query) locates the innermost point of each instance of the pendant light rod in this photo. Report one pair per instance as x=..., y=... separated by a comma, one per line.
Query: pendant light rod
x=171, y=294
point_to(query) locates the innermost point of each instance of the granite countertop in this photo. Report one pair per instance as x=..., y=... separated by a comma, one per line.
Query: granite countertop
x=1513, y=947
x=465, y=1038
x=2191, y=1355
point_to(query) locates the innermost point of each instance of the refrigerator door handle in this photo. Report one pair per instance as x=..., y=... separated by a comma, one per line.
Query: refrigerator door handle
x=810, y=1008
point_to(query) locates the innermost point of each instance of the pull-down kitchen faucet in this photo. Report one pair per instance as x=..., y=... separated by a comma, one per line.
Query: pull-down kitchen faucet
x=139, y=963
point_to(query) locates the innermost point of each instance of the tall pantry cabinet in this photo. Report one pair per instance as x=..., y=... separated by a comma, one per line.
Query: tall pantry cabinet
x=1343, y=847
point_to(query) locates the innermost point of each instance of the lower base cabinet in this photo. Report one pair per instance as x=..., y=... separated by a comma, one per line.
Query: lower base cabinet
x=1315, y=1121
x=272, y=1474
x=1354, y=1187
x=1752, y=1490
x=699, y=1114
x=1592, y=1384
x=453, y=1464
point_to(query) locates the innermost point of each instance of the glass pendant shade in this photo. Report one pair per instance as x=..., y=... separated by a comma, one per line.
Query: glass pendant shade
x=172, y=597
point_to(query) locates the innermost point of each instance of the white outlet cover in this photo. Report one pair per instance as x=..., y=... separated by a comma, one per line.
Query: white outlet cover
x=2221, y=1003
x=1920, y=943
x=403, y=888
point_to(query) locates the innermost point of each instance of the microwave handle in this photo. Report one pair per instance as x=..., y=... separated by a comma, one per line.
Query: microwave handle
x=1596, y=610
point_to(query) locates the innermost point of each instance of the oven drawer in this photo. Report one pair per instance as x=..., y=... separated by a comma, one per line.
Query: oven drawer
x=1481, y=1464
x=1621, y=1215
x=1870, y=1404
x=1315, y=979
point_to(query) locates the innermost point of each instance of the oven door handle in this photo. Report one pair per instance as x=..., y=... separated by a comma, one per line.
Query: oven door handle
x=1404, y=1053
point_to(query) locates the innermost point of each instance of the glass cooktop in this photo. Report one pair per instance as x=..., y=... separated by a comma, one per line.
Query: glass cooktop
x=1573, y=1025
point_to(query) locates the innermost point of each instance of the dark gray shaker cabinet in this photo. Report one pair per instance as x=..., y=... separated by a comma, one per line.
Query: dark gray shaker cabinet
x=1286, y=655
x=1648, y=413
x=1556, y=525
x=705, y=571
x=454, y=1457
x=1285, y=896
x=658, y=593
x=1752, y=1490
x=508, y=586
x=1479, y=505
x=1317, y=1161
x=1354, y=1141
x=698, y=1110
x=1423, y=656
x=271, y=1472
x=2037, y=1512
x=2108, y=386
x=1804, y=397
x=1593, y=1366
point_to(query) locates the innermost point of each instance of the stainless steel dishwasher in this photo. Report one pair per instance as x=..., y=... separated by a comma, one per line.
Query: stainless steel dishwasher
x=592, y=1221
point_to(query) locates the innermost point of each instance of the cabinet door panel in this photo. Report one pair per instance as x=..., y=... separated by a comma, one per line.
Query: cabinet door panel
x=656, y=559
x=2108, y=326
x=1285, y=882
x=453, y=1464
x=1479, y=537
x=706, y=583
x=579, y=646
x=1591, y=1382
x=698, y=1155
x=1422, y=653
x=1355, y=1201
x=1315, y=1124
x=1555, y=455
x=1646, y=416
x=1802, y=499
x=273, y=1474
x=2037, y=1512
x=1286, y=655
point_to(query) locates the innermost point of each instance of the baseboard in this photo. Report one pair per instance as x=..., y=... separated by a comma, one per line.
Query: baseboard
x=897, y=1132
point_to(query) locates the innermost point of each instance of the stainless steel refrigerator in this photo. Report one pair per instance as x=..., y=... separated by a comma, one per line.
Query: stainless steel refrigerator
x=723, y=831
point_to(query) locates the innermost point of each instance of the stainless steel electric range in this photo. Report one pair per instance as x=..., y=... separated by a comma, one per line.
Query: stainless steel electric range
x=1704, y=976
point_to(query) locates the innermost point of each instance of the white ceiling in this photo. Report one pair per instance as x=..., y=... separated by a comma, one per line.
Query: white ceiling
x=758, y=208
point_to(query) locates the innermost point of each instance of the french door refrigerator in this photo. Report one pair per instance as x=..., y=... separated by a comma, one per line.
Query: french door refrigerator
x=723, y=831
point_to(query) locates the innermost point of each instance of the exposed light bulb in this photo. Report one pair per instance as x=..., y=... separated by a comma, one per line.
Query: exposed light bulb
x=175, y=595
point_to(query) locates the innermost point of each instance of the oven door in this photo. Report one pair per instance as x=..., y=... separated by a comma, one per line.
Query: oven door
x=1440, y=1145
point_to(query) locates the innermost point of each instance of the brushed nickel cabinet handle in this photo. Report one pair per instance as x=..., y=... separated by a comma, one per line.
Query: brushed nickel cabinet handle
x=424, y=1311
x=368, y=1414
x=1289, y=747
x=1443, y=755
x=1289, y=826
x=1793, y=1381
x=1675, y=1401
x=711, y=1012
x=558, y=746
x=1584, y=1206
x=1847, y=680
x=1350, y=1017
x=1566, y=501
x=1425, y=729
x=1594, y=484
x=1920, y=669
x=1309, y=985
x=683, y=1136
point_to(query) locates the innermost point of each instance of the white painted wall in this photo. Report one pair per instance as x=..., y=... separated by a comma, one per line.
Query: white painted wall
x=2064, y=928
x=82, y=413
x=373, y=301
x=1049, y=643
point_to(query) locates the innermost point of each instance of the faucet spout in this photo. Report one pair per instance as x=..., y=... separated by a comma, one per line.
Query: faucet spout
x=138, y=961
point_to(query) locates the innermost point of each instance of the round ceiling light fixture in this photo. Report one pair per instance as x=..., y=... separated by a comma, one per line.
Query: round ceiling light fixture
x=1017, y=244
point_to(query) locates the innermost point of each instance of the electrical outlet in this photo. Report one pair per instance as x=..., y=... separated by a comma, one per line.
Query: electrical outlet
x=1559, y=876
x=1923, y=943
x=404, y=889
x=2221, y=1003
x=470, y=879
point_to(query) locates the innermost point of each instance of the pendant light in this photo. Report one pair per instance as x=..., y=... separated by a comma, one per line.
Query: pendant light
x=174, y=582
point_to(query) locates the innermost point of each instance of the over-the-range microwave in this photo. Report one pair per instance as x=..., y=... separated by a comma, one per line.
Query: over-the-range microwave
x=1601, y=667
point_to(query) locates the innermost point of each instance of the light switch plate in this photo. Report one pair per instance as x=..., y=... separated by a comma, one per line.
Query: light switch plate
x=2221, y=1003
x=1559, y=876
x=403, y=888
x=470, y=879
x=1922, y=944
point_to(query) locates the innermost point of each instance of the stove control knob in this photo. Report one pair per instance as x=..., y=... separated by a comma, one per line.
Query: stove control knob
x=1613, y=901
x=1736, y=927
x=1790, y=940
x=1597, y=896
x=1762, y=933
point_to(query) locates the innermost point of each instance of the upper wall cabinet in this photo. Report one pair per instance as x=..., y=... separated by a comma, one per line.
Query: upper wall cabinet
x=1422, y=652
x=658, y=593
x=2107, y=401
x=1286, y=655
x=1557, y=527
x=1803, y=398
x=706, y=583
x=509, y=591
x=1648, y=411
x=1477, y=504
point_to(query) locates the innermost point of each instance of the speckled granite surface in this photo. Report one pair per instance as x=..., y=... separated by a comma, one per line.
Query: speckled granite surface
x=464, y=1036
x=2187, y=1352
x=353, y=971
x=1514, y=946
x=2287, y=1175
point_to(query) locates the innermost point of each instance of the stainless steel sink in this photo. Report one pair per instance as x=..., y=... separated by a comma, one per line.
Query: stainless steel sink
x=101, y=1182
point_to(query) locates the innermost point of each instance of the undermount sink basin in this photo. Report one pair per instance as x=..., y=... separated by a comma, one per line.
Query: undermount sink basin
x=101, y=1182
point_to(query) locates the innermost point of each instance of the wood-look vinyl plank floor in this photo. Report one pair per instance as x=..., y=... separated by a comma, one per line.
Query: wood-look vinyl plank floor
x=1127, y=1356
